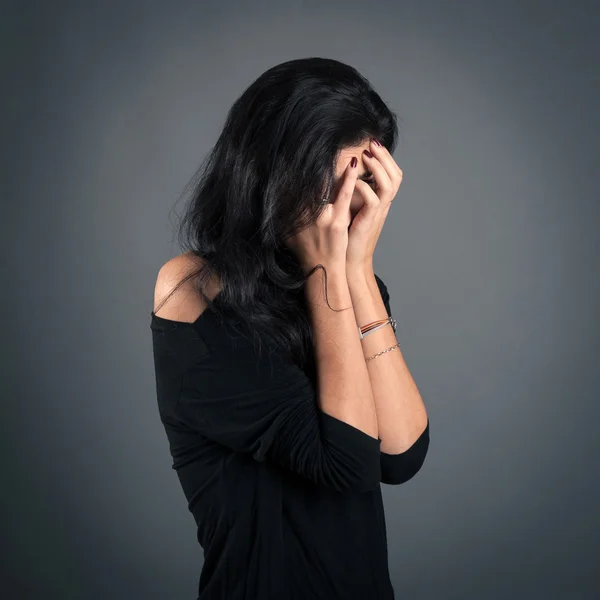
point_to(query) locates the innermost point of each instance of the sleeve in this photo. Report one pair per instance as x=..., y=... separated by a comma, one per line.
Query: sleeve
x=399, y=468
x=385, y=295
x=266, y=407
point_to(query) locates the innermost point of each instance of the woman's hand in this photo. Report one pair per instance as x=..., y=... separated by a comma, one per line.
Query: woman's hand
x=367, y=224
x=326, y=240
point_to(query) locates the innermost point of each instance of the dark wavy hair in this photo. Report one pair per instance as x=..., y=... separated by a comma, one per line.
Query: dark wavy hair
x=272, y=163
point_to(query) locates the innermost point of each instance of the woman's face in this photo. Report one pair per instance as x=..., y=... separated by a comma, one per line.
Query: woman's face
x=344, y=158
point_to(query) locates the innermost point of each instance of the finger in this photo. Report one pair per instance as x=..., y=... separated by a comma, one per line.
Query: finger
x=372, y=200
x=381, y=153
x=384, y=183
x=341, y=206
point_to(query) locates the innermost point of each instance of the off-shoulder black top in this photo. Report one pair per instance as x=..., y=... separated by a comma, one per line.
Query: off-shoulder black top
x=286, y=498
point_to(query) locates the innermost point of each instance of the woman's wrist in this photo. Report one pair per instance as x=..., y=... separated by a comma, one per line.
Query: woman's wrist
x=332, y=289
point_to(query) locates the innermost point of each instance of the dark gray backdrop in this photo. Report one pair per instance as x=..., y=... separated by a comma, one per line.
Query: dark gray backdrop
x=490, y=253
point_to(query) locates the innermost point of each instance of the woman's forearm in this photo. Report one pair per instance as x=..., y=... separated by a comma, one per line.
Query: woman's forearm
x=344, y=386
x=401, y=413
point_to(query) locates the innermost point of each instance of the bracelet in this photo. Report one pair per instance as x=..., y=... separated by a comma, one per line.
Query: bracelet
x=382, y=352
x=370, y=327
x=367, y=329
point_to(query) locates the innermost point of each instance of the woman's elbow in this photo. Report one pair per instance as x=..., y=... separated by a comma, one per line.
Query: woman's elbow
x=400, y=468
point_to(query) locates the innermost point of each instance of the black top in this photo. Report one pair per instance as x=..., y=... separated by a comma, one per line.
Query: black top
x=286, y=498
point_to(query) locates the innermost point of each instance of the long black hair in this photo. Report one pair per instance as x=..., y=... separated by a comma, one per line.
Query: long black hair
x=262, y=181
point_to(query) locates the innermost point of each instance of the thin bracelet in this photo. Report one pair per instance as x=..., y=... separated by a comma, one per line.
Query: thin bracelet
x=369, y=328
x=364, y=331
x=382, y=352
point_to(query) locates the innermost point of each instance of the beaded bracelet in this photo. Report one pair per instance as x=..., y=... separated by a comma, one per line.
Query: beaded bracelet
x=382, y=352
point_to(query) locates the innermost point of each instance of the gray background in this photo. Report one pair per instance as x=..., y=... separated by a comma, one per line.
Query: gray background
x=490, y=254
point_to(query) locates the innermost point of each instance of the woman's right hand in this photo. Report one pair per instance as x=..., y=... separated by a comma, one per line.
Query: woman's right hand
x=326, y=240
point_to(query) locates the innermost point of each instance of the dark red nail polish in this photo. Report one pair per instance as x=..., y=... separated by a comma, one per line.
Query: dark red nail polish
x=354, y=161
x=377, y=141
x=367, y=153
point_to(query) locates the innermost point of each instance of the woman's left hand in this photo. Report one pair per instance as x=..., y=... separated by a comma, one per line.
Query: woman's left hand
x=368, y=222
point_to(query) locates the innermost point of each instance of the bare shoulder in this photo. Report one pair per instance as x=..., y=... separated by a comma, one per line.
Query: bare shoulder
x=176, y=299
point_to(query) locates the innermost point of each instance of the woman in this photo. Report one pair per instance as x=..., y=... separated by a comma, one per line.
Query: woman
x=280, y=384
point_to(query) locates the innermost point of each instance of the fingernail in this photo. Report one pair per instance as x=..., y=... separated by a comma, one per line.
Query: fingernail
x=354, y=161
x=377, y=142
x=367, y=153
